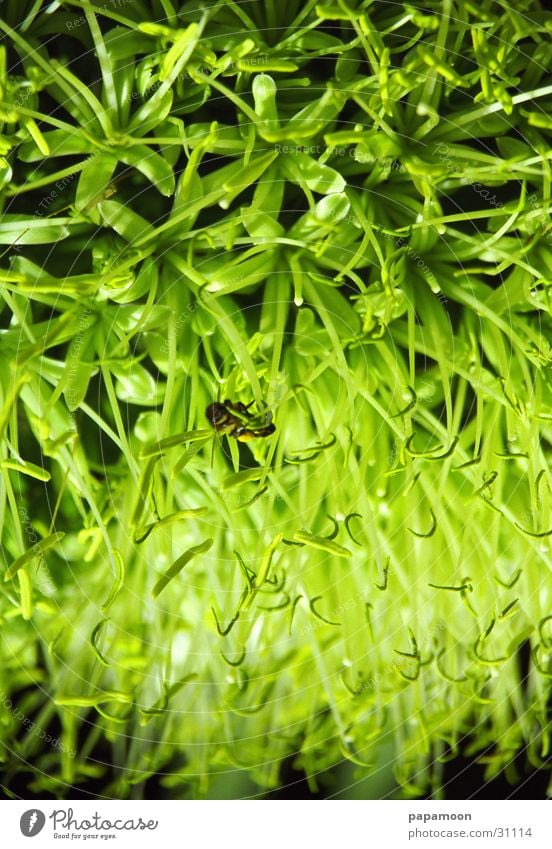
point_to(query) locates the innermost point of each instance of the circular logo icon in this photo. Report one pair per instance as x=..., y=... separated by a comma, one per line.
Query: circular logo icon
x=32, y=822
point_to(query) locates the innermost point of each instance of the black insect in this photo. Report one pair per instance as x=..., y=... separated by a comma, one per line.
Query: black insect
x=235, y=420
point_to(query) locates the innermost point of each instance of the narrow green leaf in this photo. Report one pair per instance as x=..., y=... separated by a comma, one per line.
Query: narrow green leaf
x=244, y=476
x=25, y=594
x=94, y=179
x=78, y=370
x=188, y=455
x=125, y=221
x=143, y=533
x=136, y=385
x=179, y=564
x=312, y=603
x=94, y=701
x=17, y=230
x=94, y=636
x=246, y=176
x=27, y=468
x=151, y=165
x=150, y=113
x=38, y=549
x=301, y=168
x=156, y=448
x=118, y=582
x=322, y=544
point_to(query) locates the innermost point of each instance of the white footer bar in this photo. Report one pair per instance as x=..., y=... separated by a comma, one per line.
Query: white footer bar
x=278, y=824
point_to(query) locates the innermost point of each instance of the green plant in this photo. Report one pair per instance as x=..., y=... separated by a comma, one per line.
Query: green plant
x=340, y=213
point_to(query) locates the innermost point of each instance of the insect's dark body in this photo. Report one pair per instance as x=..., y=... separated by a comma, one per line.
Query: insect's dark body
x=234, y=419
